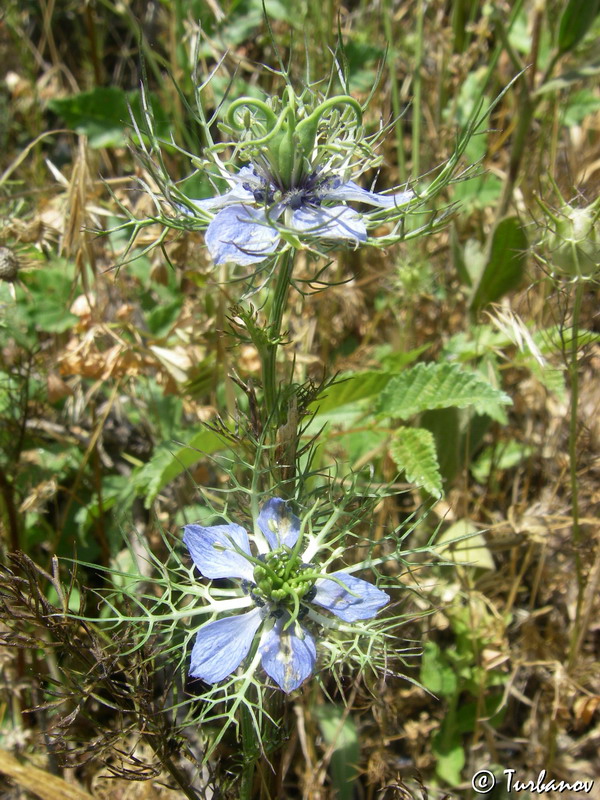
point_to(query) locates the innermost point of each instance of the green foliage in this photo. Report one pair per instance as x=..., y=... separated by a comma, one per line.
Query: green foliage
x=576, y=20
x=47, y=307
x=413, y=450
x=104, y=114
x=340, y=733
x=504, y=267
x=431, y=386
x=463, y=544
x=171, y=459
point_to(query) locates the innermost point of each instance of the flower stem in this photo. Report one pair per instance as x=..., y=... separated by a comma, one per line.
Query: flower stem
x=268, y=352
x=250, y=755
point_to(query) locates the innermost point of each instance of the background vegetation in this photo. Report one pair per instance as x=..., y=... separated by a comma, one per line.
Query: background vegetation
x=112, y=360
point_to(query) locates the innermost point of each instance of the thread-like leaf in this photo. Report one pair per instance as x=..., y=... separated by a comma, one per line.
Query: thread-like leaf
x=413, y=450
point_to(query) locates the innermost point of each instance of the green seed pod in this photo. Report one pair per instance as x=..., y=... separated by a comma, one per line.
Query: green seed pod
x=574, y=243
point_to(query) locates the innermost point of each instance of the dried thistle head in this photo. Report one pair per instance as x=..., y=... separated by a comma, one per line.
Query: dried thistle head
x=9, y=265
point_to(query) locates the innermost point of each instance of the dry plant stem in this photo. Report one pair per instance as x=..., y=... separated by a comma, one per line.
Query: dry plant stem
x=574, y=382
x=10, y=508
x=178, y=776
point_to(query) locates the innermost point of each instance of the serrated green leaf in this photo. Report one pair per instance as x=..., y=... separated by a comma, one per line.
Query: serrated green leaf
x=352, y=387
x=171, y=459
x=505, y=266
x=430, y=386
x=413, y=451
x=553, y=379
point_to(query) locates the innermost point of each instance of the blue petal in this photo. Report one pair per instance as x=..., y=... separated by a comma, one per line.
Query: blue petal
x=364, y=602
x=352, y=191
x=288, y=656
x=237, y=194
x=221, y=646
x=279, y=525
x=339, y=223
x=240, y=234
x=213, y=552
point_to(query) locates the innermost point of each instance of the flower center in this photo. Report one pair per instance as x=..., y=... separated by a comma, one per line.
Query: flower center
x=282, y=578
x=309, y=191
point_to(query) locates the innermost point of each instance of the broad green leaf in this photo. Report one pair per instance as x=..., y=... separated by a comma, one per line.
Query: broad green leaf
x=104, y=114
x=493, y=711
x=348, y=390
x=457, y=433
x=343, y=736
x=162, y=318
x=429, y=386
x=355, y=386
x=437, y=675
x=568, y=78
x=480, y=191
x=448, y=750
x=505, y=266
x=499, y=457
x=413, y=450
x=580, y=105
x=171, y=459
x=463, y=544
x=458, y=258
x=51, y=295
x=576, y=20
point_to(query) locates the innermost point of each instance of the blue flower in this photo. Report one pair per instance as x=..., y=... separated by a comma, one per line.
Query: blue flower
x=280, y=587
x=244, y=230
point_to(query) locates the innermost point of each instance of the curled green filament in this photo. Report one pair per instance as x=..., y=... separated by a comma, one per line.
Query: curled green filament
x=289, y=142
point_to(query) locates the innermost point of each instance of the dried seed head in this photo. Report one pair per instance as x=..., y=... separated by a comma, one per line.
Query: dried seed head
x=9, y=265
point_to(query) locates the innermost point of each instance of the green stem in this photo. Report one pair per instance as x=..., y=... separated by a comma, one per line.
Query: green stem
x=268, y=352
x=250, y=756
x=519, y=143
x=574, y=385
x=392, y=59
x=417, y=86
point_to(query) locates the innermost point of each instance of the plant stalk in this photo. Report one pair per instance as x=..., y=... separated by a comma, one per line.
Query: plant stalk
x=268, y=351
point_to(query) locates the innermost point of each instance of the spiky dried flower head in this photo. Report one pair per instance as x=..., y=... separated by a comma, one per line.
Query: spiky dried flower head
x=9, y=265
